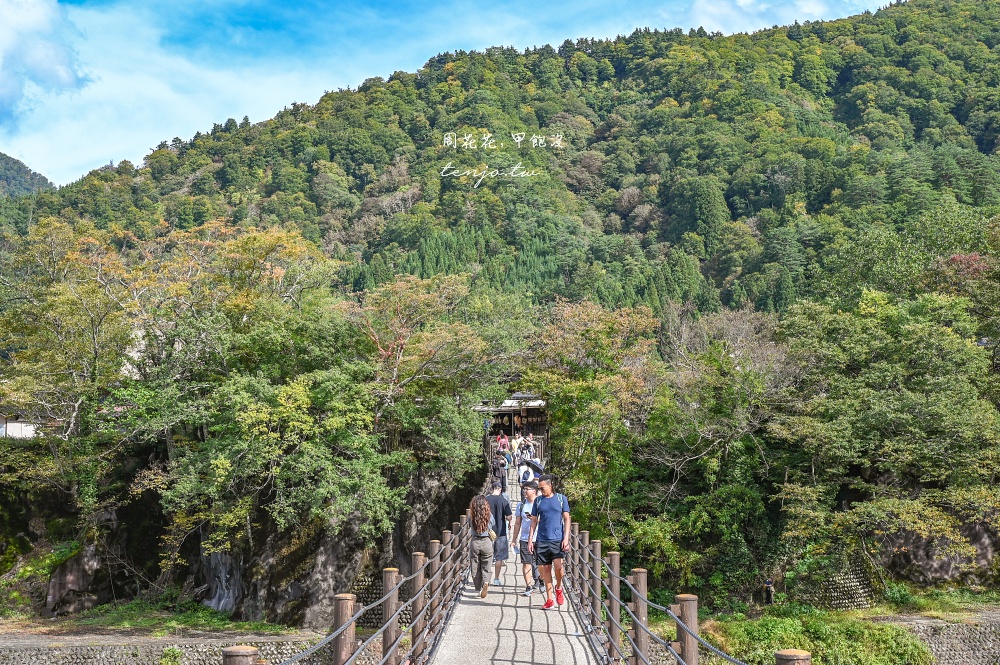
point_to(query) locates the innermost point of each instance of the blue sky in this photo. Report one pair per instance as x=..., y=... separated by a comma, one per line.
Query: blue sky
x=86, y=82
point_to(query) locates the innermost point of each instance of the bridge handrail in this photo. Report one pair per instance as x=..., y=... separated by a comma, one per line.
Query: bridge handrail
x=595, y=574
x=587, y=598
x=448, y=579
x=399, y=610
x=683, y=626
x=589, y=612
x=680, y=623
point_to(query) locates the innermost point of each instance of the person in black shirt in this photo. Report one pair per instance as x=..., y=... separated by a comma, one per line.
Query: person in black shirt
x=502, y=517
x=499, y=470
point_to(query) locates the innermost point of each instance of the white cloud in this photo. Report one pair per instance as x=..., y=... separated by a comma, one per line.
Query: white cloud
x=142, y=94
x=730, y=16
x=35, y=53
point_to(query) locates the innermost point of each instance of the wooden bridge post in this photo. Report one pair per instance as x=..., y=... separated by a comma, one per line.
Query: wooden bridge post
x=595, y=599
x=417, y=561
x=446, y=566
x=240, y=655
x=641, y=611
x=390, y=578
x=574, y=551
x=792, y=657
x=343, y=644
x=456, y=545
x=467, y=520
x=585, y=568
x=614, y=608
x=689, y=615
x=434, y=552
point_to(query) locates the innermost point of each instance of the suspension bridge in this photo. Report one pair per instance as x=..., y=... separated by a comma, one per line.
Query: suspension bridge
x=605, y=620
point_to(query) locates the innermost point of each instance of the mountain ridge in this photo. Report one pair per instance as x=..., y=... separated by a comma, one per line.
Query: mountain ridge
x=16, y=178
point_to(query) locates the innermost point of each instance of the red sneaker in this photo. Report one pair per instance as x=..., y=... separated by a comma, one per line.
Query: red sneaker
x=549, y=604
x=559, y=597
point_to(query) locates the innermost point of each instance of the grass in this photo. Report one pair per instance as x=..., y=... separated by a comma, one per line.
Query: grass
x=166, y=616
x=839, y=637
x=949, y=604
x=833, y=638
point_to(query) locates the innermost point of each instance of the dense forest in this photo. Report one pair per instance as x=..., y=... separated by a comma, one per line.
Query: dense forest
x=754, y=275
x=17, y=179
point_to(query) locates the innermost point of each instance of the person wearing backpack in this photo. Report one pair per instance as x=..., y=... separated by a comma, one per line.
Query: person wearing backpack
x=549, y=538
x=522, y=529
x=499, y=470
x=525, y=475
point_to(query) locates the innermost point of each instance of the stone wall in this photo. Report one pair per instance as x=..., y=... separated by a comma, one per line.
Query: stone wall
x=150, y=654
x=975, y=643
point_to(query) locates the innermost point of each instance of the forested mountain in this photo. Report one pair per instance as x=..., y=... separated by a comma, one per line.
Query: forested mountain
x=16, y=178
x=754, y=275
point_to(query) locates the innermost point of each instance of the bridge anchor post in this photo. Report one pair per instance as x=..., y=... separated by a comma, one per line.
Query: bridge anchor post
x=390, y=633
x=641, y=611
x=343, y=644
x=240, y=655
x=613, y=607
x=595, y=599
x=689, y=615
x=434, y=553
x=792, y=657
x=417, y=592
x=585, y=574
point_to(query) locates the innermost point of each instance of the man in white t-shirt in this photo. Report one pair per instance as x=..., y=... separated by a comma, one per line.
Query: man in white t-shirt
x=522, y=528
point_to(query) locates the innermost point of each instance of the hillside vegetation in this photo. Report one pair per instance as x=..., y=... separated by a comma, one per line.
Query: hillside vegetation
x=755, y=276
x=17, y=179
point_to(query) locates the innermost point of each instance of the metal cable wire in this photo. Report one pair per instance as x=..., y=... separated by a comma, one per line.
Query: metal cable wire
x=683, y=626
x=597, y=576
x=624, y=631
x=638, y=596
x=357, y=653
x=326, y=640
x=588, y=628
x=635, y=620
x=612, y=573
x=329, y=638
x=459, y=542
x=357, y=615
x=590, y=613
x=395, y=645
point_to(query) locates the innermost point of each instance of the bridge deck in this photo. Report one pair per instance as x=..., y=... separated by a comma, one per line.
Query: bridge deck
x=507, y=627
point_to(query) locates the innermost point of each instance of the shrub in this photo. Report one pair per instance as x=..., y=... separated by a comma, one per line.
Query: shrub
x=171, y=656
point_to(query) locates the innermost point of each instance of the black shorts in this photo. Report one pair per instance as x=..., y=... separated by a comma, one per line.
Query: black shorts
x=527, y=558
x=547, y=551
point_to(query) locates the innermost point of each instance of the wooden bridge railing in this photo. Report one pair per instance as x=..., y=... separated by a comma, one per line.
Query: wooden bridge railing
x=619, y=631
x=434, y=588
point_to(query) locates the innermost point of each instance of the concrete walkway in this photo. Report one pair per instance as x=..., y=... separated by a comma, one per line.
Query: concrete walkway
x=506, y=627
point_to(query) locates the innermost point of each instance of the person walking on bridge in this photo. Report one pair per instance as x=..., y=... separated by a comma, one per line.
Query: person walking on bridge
x=502, y=516
x=549, y=538
x=498, y=470
x=482, y=543
x=522, y=529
